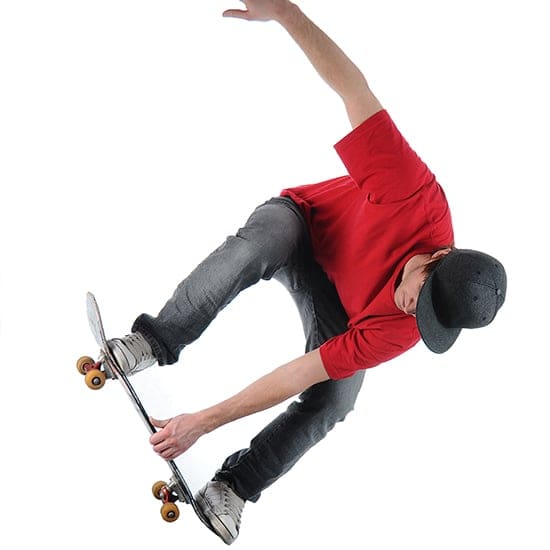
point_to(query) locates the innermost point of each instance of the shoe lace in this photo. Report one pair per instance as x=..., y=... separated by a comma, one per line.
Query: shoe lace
x=134, y=343
x=229, y=503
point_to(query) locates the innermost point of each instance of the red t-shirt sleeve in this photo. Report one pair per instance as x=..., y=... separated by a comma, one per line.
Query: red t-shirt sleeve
x=359, y=349
x=381, y=161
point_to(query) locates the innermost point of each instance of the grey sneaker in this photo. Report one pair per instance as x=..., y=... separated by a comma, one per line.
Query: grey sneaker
x=223, y=508
x=133, y=353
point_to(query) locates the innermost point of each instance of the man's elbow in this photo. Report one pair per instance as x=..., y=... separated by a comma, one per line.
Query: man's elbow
x=360, y=105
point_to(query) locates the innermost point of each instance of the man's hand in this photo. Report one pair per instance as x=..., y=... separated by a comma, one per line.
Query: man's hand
x=176, y=435
x=332, y=64
x=260, y=10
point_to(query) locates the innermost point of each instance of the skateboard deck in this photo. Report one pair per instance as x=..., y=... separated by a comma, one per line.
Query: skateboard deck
x=96, y=373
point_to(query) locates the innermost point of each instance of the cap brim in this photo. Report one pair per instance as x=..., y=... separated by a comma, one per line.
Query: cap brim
x=436, y=336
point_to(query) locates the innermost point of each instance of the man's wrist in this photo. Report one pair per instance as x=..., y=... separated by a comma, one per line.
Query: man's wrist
x=287, y=12
x=208, y=419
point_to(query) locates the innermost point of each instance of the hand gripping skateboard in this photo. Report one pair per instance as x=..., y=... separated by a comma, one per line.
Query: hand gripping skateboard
x=96, y=373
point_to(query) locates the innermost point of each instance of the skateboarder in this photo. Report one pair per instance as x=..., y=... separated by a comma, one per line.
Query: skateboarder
x=370, y=261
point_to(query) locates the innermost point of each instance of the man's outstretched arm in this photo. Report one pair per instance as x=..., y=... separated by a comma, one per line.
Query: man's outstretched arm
x=178, y=434
x=332, y=64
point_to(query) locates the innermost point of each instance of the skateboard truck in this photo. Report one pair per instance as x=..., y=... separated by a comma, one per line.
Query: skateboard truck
x=168, y=494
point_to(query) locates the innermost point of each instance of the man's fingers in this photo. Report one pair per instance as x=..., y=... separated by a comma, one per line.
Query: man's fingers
x=168, y=449
x=158, y=436
x=169, y=454
x=158, y=423
x=161, y=447
x=237, y=14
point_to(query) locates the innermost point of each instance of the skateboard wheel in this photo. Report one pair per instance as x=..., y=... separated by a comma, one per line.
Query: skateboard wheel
x=169, y=512
x=82, y=363
x=157, y=489
x=95, y=379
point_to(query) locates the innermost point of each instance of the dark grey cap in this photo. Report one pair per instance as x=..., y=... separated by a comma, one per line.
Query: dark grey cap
x=465, y=290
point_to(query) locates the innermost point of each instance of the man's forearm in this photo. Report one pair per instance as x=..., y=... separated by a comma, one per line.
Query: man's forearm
x=270, y=390
x=332, y=64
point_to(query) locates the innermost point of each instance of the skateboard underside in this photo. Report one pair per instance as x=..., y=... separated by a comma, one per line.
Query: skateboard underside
x=96, y=373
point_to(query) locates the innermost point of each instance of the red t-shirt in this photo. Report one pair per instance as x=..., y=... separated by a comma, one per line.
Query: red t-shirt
x=364, y=228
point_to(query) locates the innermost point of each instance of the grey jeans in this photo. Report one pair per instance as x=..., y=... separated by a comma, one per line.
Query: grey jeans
x=274, y=243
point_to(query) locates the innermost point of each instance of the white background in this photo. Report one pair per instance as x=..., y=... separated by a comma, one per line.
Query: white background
x=134, y=136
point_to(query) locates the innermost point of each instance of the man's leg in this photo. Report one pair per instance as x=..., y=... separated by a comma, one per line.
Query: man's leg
x=307, y=420
x=275, y=235
x=274, y=451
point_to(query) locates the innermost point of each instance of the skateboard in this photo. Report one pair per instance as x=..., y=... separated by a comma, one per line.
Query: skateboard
x=96, y=373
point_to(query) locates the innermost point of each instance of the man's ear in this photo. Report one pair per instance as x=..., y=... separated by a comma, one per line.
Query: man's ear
x=440, y=253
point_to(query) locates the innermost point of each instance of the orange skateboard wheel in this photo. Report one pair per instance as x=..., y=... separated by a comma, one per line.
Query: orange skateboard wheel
x=95, y=379
x=82, y=363
x=169, y=512
x=157, y=489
